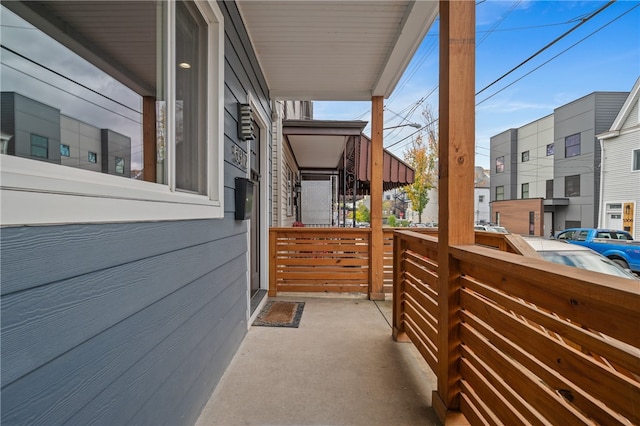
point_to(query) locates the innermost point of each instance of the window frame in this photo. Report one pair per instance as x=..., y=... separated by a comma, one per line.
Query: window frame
x=635, y=160
x=524, y=156
x=500, y=187
x=566, y=178
x=500, y=163
x=40, y=193
x=578, y=144
x=550, y=149
x=522, y=187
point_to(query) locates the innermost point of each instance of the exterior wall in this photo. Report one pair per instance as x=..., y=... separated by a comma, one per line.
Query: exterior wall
x=32, y=117
x=81, y=139
x=482, y=208
x=504, y=145
x=535, y=137
x=621, y=185
x=514, y=215
x=283, y=192
x=129, y=323
x=586, y=116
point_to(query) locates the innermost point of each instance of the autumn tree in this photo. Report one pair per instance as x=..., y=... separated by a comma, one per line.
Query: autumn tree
x=422, y=156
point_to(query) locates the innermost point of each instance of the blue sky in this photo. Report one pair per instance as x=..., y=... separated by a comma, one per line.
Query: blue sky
x=508, y=32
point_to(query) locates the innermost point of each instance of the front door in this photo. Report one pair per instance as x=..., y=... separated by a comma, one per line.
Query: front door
x=255, y=211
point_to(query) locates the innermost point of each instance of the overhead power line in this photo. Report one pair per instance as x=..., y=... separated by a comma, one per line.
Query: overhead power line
x=557, y=39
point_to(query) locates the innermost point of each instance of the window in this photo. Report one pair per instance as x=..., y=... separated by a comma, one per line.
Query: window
x=525, y=190
x=500, y=164
x=499, y=193
x=572, y=186
x=119, y=165
x=532, y=223
x=549, y=189
x=39, y=146
x=481, y=198
x=549, y=149
x=572, y=224
x=525, y=156
x=636, y=159
x=173, y=80
x=572, y=145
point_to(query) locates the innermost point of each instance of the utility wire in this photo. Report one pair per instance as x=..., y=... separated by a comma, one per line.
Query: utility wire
x=68, y=78
x=554, y=57
x=70, y=93
x=582, y=22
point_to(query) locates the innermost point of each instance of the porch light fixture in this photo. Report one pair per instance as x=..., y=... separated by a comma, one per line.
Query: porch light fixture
x=184, y=65
x=245, y=126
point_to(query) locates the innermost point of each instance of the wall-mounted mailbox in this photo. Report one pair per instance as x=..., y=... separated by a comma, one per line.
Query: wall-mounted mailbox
x=244, y=198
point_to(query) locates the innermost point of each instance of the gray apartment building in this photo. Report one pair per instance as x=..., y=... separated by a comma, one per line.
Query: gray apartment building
x=545, y=175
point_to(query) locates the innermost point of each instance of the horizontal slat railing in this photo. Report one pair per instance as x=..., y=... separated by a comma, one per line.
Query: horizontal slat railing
x=539, y=343
x=331, y=260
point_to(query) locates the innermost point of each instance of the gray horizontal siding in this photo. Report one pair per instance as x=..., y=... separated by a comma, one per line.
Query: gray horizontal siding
x=129, y=323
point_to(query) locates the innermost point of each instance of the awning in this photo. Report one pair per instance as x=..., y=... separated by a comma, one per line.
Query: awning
x=341, y=146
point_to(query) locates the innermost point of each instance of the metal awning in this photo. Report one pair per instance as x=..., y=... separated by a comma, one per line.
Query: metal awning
x=341, y=146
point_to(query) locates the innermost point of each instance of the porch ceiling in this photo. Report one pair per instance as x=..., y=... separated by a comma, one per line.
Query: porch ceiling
x=335, y=50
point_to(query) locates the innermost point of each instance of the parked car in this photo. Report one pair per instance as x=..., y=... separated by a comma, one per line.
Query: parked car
x=619, y=246
x=418, y=225
x=491, y=228
x=578, y=256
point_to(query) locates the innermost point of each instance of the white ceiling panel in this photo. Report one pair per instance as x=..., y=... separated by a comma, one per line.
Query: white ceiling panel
x=335, y=50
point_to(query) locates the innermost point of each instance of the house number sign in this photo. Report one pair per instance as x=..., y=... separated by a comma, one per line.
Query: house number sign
x=239, y=156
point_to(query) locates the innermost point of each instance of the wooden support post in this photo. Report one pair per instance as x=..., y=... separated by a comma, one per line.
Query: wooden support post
x=149, y=138
x=455, y=188
x=376, y=290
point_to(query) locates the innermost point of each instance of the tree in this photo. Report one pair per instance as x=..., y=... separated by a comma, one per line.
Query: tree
x=423, y=158
x=362, y=214
x=391, y=220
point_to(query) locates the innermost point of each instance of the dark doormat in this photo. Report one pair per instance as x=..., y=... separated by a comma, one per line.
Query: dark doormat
x=280, y=314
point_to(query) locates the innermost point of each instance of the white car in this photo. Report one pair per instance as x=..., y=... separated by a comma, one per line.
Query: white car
x=573, y=255
x=491, y=228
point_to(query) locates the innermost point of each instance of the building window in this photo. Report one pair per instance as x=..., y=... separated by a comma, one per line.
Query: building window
x=525, y=190
x=572, y=145
x=39, y=146
x=636, y=159
x=120, y=165
x=525, y=156
x=532, y=223
x=499, y=193
x=550, y=149
x=481, y=198
x=549, y=189
x=572, y=186
x=500, y=164
x=178, y=89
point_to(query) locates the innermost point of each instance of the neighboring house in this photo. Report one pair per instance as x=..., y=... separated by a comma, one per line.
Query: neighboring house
x=545, y=175
x=41, y=132
x=286, y=194
x=482, y=196
x=620, y=172
x=123, y=301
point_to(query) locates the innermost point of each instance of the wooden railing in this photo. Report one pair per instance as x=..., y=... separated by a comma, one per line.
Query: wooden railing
x=295, y=263
x=330, y=260
x=537, y=343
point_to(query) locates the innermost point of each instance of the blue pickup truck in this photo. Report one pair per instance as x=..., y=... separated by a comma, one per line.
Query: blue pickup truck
x=618, y=246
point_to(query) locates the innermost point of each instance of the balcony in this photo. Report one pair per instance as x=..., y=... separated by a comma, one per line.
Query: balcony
x=514, y=338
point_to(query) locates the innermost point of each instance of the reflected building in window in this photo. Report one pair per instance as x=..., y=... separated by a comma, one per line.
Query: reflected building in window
x=32, y=129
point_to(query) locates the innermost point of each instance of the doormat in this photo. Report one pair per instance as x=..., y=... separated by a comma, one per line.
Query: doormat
x=280, y=314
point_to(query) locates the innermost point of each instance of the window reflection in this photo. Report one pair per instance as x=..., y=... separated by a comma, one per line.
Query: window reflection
x=59, y=108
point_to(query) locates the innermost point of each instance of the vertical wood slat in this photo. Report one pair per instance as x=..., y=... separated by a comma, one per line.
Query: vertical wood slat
x=273, y=289
x=376, y=291
x=398, y=289
x=456, y=155
x=149, y=138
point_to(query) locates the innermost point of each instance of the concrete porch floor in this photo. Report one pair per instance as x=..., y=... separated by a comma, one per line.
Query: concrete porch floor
x=340, y=367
